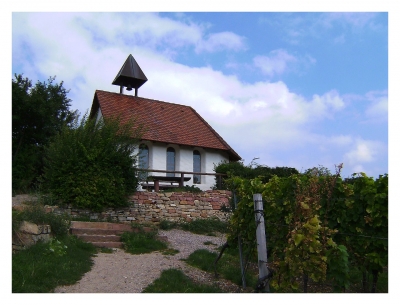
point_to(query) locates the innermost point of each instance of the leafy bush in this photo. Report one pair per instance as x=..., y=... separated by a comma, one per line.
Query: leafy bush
x=92, y=166
x=250, y=171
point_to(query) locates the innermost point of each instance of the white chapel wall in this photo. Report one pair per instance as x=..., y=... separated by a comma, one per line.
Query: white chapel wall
x=184, y=161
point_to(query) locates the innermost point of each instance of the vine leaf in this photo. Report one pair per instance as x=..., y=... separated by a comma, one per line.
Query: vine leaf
x=298, y=238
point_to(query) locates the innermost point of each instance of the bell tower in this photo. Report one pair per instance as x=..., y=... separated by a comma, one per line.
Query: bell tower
x=130, y=76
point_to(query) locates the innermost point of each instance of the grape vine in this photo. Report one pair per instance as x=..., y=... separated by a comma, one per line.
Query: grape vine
x=313, y=223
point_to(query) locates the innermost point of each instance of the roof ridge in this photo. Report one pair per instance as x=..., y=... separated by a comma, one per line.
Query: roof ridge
x=202, y=134
x=144, y=98
x=215, y=132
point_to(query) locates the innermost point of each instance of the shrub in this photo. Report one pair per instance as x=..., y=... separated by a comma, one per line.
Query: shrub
x=92, y=165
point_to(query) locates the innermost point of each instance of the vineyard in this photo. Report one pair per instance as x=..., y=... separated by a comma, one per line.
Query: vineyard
x=320, y=229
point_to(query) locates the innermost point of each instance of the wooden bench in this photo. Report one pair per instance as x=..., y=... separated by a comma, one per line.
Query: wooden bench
x=172, y=179
x=161, y=186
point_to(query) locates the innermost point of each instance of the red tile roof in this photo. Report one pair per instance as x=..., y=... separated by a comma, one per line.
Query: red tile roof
x=163, y=122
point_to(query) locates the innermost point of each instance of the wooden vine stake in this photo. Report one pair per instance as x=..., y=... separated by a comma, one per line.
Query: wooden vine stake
x=261, y=240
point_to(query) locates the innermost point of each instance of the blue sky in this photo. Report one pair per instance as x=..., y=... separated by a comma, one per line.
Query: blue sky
x=292, y=89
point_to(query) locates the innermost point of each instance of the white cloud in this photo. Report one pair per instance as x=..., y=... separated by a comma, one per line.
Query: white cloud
x=275, y=63
x=357, y=20
x=339, y=39
x=341, y=140
x=362, y=152
x=221, y=41
x=378, y=108
x=325, y=105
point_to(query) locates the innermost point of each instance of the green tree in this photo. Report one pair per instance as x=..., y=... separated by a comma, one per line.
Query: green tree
x=92, y=165
x=38, y=113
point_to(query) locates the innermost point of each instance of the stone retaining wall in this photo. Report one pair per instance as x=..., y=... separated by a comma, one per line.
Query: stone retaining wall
x=156, y=206
x=30, y=233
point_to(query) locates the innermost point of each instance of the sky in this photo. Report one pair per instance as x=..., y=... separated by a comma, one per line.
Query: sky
x=286, y=89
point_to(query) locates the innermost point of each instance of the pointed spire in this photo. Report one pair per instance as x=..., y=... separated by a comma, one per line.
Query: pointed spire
x=130, y=75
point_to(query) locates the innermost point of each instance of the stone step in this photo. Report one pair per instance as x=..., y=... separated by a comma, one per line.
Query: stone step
x=100, y=225
x=99, y=238
x=102, y=234
x=93, y=231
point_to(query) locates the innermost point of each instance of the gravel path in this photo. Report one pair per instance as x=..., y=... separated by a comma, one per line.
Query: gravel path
x=121, y=272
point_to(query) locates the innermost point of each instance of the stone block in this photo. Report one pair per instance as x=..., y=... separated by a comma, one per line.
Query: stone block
x=44, y=229
x=41, y=237
x=29, y=228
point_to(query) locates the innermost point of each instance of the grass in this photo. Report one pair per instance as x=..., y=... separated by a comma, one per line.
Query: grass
x=168, y=225
x=142, y=242
x=175, y=281
x=44, y=266
x=198, y=226
x=106, y=250
x=228, y=266
x=169, y=251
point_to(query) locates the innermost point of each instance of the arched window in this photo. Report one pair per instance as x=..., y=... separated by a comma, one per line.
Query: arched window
x=170, y=161
x=143, y=160
x=196, y=166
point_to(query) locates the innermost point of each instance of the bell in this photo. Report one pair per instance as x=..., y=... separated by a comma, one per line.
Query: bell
x=129, y=88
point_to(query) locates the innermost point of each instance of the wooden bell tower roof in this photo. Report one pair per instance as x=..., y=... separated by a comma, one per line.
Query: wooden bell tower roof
x=130, y=76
